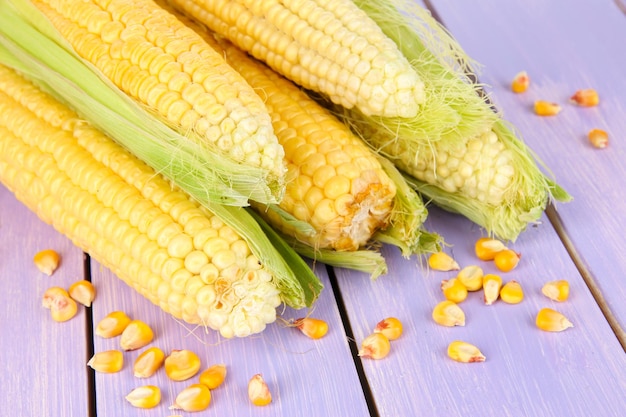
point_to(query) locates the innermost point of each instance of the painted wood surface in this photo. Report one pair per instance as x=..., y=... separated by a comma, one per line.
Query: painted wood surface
x=42, y=362
x=579, y=372
x=564, y=46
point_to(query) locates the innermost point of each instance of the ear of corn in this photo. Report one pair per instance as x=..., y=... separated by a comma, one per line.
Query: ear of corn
x=326, y=46
x=171, y=249
x=154, y=86
x=457, y=152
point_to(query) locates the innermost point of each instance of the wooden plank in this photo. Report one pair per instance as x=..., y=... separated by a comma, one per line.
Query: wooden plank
x=307, y=377
x=43, y=363
x=528, y=372
x=564, y=46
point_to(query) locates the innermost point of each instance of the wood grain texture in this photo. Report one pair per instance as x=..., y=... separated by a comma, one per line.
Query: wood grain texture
x=306, y=377
x=564, y=46
x=42, y=363
x=528, y=372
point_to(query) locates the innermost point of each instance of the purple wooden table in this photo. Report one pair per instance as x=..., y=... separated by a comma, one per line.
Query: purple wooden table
x=564, y=46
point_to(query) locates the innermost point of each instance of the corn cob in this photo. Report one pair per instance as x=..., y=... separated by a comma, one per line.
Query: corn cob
x=329, y=46
x=472, y=164
x=172, y=250
x=335, y=183
x=167, y=74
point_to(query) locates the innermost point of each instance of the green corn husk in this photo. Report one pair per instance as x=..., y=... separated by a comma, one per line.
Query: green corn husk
x=450, y=91
x=35, y=42
x=299, y=286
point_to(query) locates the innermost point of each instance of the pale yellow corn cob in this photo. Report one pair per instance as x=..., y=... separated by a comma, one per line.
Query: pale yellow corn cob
x=329, y=46
x=153, y=236
x=165, y=66
x=335, y=182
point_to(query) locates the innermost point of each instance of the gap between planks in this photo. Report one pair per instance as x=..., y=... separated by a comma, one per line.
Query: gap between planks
x=587, y=276
x=354, y=349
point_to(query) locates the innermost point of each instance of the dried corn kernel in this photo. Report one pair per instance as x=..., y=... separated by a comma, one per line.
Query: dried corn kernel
x=552, y=321
x=491, y=287
x=512, y=292
x=375, y=346
x=83, y=291
x=464, y=352
x=62, y=306
x=112, y=325
x=47, y=261
x=546, y=108
x=472, y=277
x=136, y=335
x=258, y=391
x=391, y=327
x=587, y=97
x=506, y=260
x=441, y=261
x=182, y=364
x=448, y=313
x=598, y=138
x=196, y=397
x=148, y=362
x=556, y=290
x=520, y=82
x=147, y=396
x=311, y=327
x=454, y=290
x=486, y=248
x=213, y=376
x=108, y=361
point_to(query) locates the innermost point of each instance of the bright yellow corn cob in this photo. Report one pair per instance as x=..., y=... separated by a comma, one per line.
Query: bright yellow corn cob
x=153, y=236
x=329, y=46
x=159, y=62
x=335, y=182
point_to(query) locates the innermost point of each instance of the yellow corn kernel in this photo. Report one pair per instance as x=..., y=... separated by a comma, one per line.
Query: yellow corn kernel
x=472, y=277
x=147, y=396
x=486, y=248
x=598, y=138
x=448, y=313
x=547, y=108
x=136, y=335
x=441, y=261
x=258, y=391
x=108, y=361
x=556, y=290
x=454, y=290
x=552, y=321
x=587, y=97
x=507, y=260
x=148, y=362
x=213, y=376
x=62, y=306
x=491, y=287
x=196, y=397
x=47, y=261
x=182, y=364
x=512, y=292
x=112, y=325
x=464, y=352
x=391, y=327
x=311, y=327
x=83, y=292
x=375, y=346
x=520, y=82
